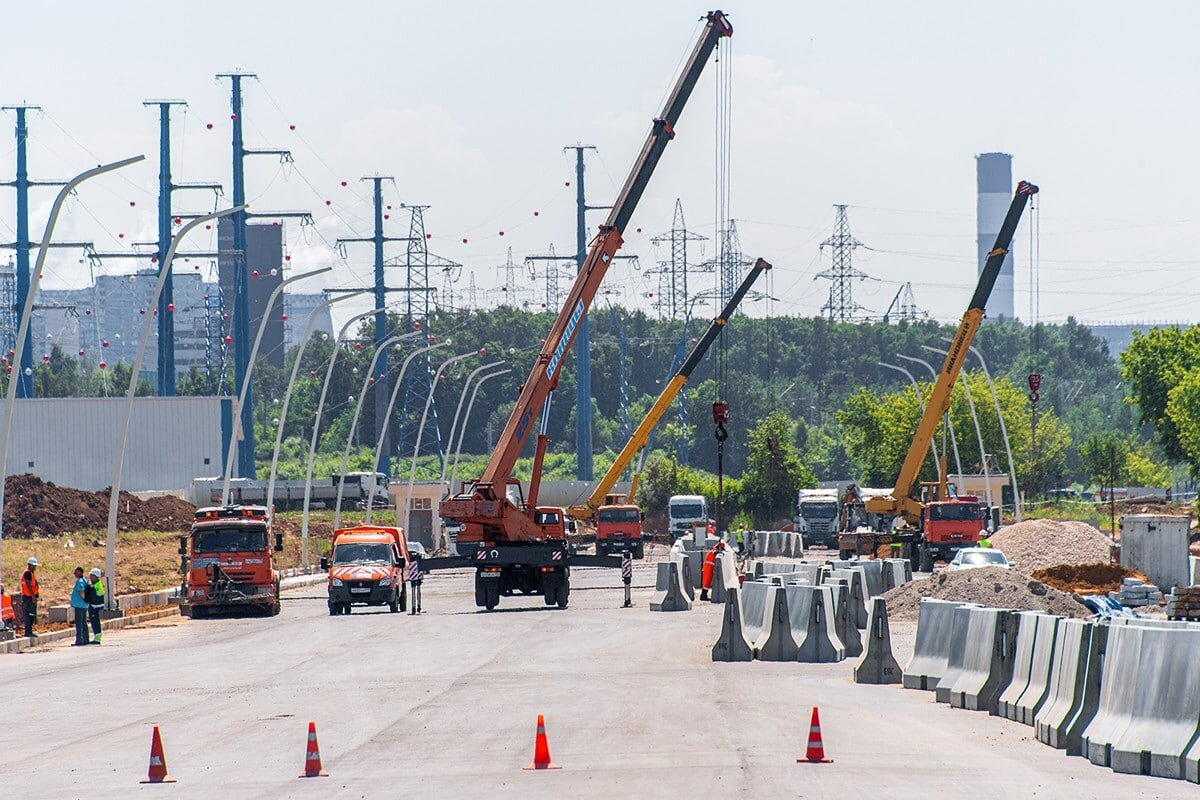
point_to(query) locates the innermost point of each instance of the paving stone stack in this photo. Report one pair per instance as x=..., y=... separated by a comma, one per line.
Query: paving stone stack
x=1184, y=603
x=1135, y=593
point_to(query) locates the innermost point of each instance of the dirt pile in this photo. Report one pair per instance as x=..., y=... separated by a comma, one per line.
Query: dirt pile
x=988, y=586
x=1040, y=543
x=33, y=507
x=1087, y=578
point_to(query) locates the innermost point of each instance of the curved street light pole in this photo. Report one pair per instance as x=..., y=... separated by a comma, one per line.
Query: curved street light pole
x=463, y=430
x=387, y=415
x=287, y=394
x=1012, y=471
x=114, y=492
x=458, y=411
x=949, y=425
x=987, y=478
x=27, y=310
x=362, y=394
x=236, y=432
x=312, y=445
x=937, y=464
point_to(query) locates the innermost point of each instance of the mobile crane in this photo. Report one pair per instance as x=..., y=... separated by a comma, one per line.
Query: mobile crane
x=511, y=552
x=616, y=518
x=925, y=518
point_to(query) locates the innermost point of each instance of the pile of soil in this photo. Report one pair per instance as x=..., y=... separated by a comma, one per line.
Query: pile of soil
x=1040, y=543
x=33, y=507
x=1087, y=578
x=987, y=586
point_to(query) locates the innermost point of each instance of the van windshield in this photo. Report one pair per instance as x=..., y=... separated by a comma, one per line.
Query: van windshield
x=352, y=552
x=230, y=540
x=687, y=511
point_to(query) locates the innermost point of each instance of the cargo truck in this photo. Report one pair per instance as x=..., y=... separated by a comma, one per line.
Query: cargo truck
x=227, y=560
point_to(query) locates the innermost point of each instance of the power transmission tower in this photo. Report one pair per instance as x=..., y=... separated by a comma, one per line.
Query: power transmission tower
x=730, y=266
x=472, y=293
x=841, y=306
x=512, y=289
x=553, y=275
x=673, y=300
x=908, y=305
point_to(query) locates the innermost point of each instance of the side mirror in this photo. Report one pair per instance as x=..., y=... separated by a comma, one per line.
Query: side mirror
x=642, y=516
x=183, y=545
x=278, y=542
x=183, y=565
x=324, y=563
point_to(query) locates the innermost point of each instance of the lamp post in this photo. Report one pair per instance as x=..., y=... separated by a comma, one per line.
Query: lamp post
x=987, y=478
x=236, y=432
x=937, y=464
x=458, y=410
x=312, y=445
x=946, y=417
x=362, y=394
x=287, y=394
x=463, y=430
x=1012, y=470
x=27, y=310
x=387, y=415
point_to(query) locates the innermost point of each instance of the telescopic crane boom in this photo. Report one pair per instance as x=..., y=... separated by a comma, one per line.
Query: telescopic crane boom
x=483, y=507
x=901, y=502
x=642, y=434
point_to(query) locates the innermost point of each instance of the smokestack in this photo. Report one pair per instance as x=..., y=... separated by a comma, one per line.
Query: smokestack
x=993, y=177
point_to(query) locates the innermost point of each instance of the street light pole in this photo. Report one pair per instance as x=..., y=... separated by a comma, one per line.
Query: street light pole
x=987, y=478
x=1012, y=470
x=457, y=411
x=462, y=432
x=937, y=464
x=27, y=310
x=948, y=423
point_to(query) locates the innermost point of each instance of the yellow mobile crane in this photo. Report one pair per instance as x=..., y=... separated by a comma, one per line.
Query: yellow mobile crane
x=941, y=524
x=618, y=521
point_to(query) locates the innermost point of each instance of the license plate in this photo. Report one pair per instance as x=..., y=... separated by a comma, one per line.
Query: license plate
x=360, y=591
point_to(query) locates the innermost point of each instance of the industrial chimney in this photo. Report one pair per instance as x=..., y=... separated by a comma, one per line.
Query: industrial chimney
x=993, y=176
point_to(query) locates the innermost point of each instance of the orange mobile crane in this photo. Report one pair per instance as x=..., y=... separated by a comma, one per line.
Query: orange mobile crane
x=512, y=554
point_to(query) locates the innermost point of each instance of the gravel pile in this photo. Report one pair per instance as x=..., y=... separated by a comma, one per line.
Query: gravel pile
x=1040, y=543
x=988, y=586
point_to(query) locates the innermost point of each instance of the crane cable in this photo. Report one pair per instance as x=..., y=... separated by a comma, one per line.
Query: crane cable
x=723, y=120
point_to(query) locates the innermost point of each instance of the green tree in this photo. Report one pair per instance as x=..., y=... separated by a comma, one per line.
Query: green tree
x=774, y=470
x=1103, y=457
x=1156, y=363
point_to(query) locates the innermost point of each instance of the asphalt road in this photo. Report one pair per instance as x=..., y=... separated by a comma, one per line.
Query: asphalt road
x=444, y=706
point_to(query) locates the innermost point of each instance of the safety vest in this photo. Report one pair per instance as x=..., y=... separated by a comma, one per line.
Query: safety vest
x=741, y=535
x=98, y=588
x=6, y=610
x=29, y=584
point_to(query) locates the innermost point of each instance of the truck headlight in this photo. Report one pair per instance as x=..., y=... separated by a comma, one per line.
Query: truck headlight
x=336, y=582
x=386, y=581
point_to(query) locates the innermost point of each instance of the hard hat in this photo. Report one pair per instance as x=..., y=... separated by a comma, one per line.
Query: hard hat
x=32, y=561
x=95, y=573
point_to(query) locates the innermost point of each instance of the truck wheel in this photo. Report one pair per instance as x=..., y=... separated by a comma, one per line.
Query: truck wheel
x=844, y=555
x=563, y=594
x=333, y=610
x=493, y=597
x=199, y=612
x=639, y=552
x=926, y=559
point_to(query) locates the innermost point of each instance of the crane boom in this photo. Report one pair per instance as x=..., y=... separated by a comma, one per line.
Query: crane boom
x=484, y=508
x=901, y=501
x=642, y=434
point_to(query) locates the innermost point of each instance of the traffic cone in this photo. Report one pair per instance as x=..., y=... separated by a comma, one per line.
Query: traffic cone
x=158, y=761
x=816, y=748
x=312, y=756
x=541, y=748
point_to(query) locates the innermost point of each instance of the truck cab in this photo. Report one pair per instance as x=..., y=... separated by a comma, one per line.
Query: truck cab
x=619, y=530
x=366, y=567
x=683, y=511
x=948, y=526
x=228, y=562
x=817, y=517
x=552, y=520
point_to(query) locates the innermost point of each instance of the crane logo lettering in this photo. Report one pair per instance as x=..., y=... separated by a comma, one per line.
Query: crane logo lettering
x=556, y=359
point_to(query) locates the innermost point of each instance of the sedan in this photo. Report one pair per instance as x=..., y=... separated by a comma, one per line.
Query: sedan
x=971, y=557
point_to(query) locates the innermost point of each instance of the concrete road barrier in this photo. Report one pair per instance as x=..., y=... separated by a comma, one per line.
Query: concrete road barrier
x=900, y=569
x=1006, y=703
x=988, y=660
x=856, y=579
x=732, y=645
x=873, y=574
x=810, y=609
x=1074, y=685
x=931, y=650
x=846, y=630
x=724, y=575
x=668, y=588
x=753, y=598
x=877, y=665
x=692, y=561
x=1118, y=677
x=1038, y=690
x=958, y=652
x=775, y=639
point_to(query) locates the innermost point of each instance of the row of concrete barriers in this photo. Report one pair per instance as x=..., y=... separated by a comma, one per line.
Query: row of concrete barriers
x=1123, y=693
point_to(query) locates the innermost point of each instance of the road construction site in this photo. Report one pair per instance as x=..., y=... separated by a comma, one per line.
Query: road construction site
x=444, y=705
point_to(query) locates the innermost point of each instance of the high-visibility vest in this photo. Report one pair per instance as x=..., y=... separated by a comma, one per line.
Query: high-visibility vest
x=98, y=588
x=29, y=585
x=6, y=609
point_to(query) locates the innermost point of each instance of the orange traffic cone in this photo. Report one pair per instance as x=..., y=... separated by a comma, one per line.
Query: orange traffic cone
x=816, y=748
x=541, y=748
x=312, y=756
x=158, y=761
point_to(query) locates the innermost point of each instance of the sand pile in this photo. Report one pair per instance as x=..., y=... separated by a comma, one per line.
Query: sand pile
x=1087, y=578
x=33, y=507
x=1040, y=543
x=988, y=586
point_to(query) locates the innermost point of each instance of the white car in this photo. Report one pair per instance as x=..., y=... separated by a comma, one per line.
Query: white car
x=971, y=557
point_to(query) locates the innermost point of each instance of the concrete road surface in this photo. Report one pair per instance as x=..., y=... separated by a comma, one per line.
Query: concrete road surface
x=444, y=706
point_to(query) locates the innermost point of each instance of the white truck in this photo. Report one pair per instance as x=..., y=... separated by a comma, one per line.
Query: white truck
x=361, y=488
x=684, y=510
x=817, y=516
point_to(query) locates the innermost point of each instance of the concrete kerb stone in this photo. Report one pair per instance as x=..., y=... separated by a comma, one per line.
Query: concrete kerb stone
x=988, y=660
x=1038, y=690
x=732, y=644
x=877, y=665
x=846, y=630
x=810, y=609
x=1075, y=685
x=931, y=649
x=957, y=652
x=668, y=588
x=775, y=640
x=1165, y=715
x=1006, y=703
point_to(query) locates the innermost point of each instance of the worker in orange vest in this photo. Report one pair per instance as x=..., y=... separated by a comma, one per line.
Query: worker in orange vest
x=8, y=616
x=29, y=595
x=706, y=572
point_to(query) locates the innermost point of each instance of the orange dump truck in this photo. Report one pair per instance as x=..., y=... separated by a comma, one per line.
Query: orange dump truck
x=366, y=568
x=619, y=530
x=228, y=562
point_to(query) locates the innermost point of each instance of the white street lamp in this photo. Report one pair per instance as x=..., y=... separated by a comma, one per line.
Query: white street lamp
x=1012, y=470
x=987, y=478
x=937, y=464
x=948, y=423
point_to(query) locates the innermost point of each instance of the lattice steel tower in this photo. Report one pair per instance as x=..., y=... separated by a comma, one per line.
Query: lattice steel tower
x=841, y=306
x=673, y=301
x=418, y=380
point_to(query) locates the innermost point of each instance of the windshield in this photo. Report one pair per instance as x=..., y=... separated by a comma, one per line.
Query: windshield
x=619, y=515
x=984, y=558
x=230, y=540
x=821, y=510
x=961, y=512
x=547, y=518
x=687, y=511
x=368, y=551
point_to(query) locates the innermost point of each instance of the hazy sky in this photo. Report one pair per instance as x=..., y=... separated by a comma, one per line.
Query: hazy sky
x=879, y=105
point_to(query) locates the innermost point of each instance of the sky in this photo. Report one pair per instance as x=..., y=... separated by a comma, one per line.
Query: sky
x=878, y=105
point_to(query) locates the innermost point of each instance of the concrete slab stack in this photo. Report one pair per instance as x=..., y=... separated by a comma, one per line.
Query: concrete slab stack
x=931, y=651
x=732, y=645
x=988, y=660
x=810, y=609
x=877, y=665
x=1006, y=703
x=1074, y=685
x=668, y=588
x=1157, y=546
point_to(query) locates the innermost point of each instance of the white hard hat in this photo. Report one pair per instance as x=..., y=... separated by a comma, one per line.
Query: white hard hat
x=32, y=561
x=95, y=573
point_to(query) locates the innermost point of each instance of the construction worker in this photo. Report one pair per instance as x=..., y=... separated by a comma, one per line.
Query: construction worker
x=79, y=607
x=8, y=616
x=415, y=578
x=29, y=595
x=706, y=572
x=95, y=598
x=740, y=537
x=851, y=504
x=984, y=541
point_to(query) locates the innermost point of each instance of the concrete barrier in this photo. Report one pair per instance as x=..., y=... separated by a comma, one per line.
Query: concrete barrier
x=873, y=574
x=877, y=665
x=1118, y=678
x=668, y=588
x=1074, y=685
x=846, y=630
x=988, y=660
x=856, y=580
x=1165, y=715
x=931, y=650
x=1038, y=690
x=724, y=575
x=689, y=565
x=753, y=598
x=775, y=639
x=1006, y=703
x=810, y=609
x=901, y=569
x=1194, y=570
x=958, y=653
x=732, y=645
